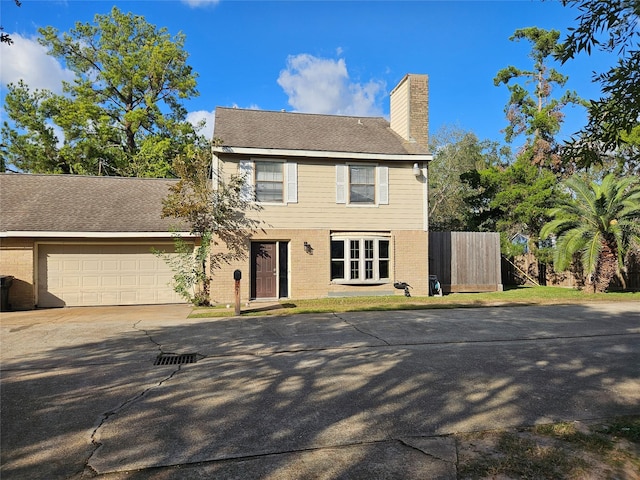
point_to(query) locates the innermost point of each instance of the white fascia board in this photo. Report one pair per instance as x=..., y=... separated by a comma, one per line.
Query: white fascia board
x=14, y=234
x=275, y=152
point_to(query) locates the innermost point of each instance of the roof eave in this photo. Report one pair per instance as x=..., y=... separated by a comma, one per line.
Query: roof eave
x=278, y=152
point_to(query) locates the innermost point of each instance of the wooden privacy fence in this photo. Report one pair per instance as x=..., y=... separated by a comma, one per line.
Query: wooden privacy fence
x=465, y=261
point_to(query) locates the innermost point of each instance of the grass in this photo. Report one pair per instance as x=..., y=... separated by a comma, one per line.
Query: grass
x=519, y=457
x=604, y=450
x=514, y=296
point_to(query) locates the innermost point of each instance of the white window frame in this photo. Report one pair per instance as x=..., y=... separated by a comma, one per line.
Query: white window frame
x=361, y=261
x=343, y=184
x=289, y=180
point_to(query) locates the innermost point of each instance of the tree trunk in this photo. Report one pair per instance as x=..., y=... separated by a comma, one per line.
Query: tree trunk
x=606, y=268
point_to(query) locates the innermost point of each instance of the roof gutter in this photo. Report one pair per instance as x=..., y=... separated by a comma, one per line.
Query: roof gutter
x=278, y=152
x=50, y=234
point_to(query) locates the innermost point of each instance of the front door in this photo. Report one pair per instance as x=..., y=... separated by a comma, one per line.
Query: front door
x=264, y=270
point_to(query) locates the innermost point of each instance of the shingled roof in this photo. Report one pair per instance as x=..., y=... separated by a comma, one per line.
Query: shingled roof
x=304, y=131
x=74, y=203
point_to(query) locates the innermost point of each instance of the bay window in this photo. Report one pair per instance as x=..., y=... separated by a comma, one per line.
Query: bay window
x=360, y=259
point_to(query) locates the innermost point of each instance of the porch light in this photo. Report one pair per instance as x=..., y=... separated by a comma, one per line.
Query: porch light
x=416, y=170
x=308, y=248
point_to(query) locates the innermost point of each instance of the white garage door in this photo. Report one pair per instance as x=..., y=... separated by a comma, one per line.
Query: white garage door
x=86, y=275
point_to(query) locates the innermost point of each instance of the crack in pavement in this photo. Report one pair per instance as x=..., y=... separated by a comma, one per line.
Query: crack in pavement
x=258, y=456
x=259, y=353
x=107, y=415
x=146, y=333
x=453, y=446
x=357, y=329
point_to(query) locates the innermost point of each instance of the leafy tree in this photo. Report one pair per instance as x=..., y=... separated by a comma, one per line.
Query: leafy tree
x=456, y=152
x=121, y=115
x=216, y=211
x=601, y=221
x=481, y=215
x=536, y=113
x=512, y=199
x=611, y=26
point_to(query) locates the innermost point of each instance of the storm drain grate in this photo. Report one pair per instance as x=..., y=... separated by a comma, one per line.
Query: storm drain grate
x=175, y=359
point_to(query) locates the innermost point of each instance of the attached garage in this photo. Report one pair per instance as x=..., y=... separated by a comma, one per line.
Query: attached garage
x=89, y=275
x=70, y=240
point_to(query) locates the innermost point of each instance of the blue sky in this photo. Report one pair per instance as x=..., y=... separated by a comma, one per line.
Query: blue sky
x=331, y=57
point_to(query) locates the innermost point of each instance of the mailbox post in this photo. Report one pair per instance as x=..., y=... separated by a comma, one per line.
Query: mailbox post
x=237, y=276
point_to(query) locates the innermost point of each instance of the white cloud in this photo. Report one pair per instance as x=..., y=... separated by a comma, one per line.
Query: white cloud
x=200, y=3
x=253, y=106
x=26, y=59
x=321, y=85
x=194, y=118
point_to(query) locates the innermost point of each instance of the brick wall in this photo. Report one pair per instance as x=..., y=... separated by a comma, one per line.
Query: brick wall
x=411, y=263
x=309, y=272
x=419, y=109
x=16, y=259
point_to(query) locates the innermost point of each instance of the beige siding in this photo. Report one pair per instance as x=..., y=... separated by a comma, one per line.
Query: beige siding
x=399, y=105
x=317, y=207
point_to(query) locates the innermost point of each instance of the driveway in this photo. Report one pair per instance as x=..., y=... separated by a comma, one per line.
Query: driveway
x=352, y=395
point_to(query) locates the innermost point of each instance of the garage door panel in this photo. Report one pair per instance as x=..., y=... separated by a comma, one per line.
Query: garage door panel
x=128, y=281
x=128, y=298
x=71, y=265
x=89, y=265
x=90, y=281
x=148, y=281
x=107, y=298
x=109, y=281
x=110, y=265
x=90, y=298
x=84, y=275
x=70, y=281
x=128, y=265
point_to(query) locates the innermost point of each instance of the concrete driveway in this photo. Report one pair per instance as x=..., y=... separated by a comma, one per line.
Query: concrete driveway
x=354, y=395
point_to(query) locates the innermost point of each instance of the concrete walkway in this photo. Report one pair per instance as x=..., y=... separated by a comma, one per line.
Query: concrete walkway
x=354, y=395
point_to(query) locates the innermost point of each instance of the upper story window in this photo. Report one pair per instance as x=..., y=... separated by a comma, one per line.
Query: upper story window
x=270, y=181
x=362, y=184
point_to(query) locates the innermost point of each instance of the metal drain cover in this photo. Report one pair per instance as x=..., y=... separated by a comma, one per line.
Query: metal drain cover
x=176, y=359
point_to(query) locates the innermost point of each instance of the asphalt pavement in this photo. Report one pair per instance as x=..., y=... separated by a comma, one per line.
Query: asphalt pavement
x=327, y=396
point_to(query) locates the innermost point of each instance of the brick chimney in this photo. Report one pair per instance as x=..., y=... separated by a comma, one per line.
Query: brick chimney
x=410, y=109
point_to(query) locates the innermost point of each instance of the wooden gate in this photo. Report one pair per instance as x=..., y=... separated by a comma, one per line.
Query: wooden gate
x=465, y=261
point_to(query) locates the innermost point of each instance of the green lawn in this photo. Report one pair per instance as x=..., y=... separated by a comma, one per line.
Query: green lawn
x=514, y=296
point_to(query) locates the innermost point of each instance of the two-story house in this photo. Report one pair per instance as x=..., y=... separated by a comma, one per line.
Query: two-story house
x=343, y=212
x=343, y=199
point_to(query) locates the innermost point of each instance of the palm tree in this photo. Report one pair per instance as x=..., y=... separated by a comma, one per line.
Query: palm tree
x=600, y=221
